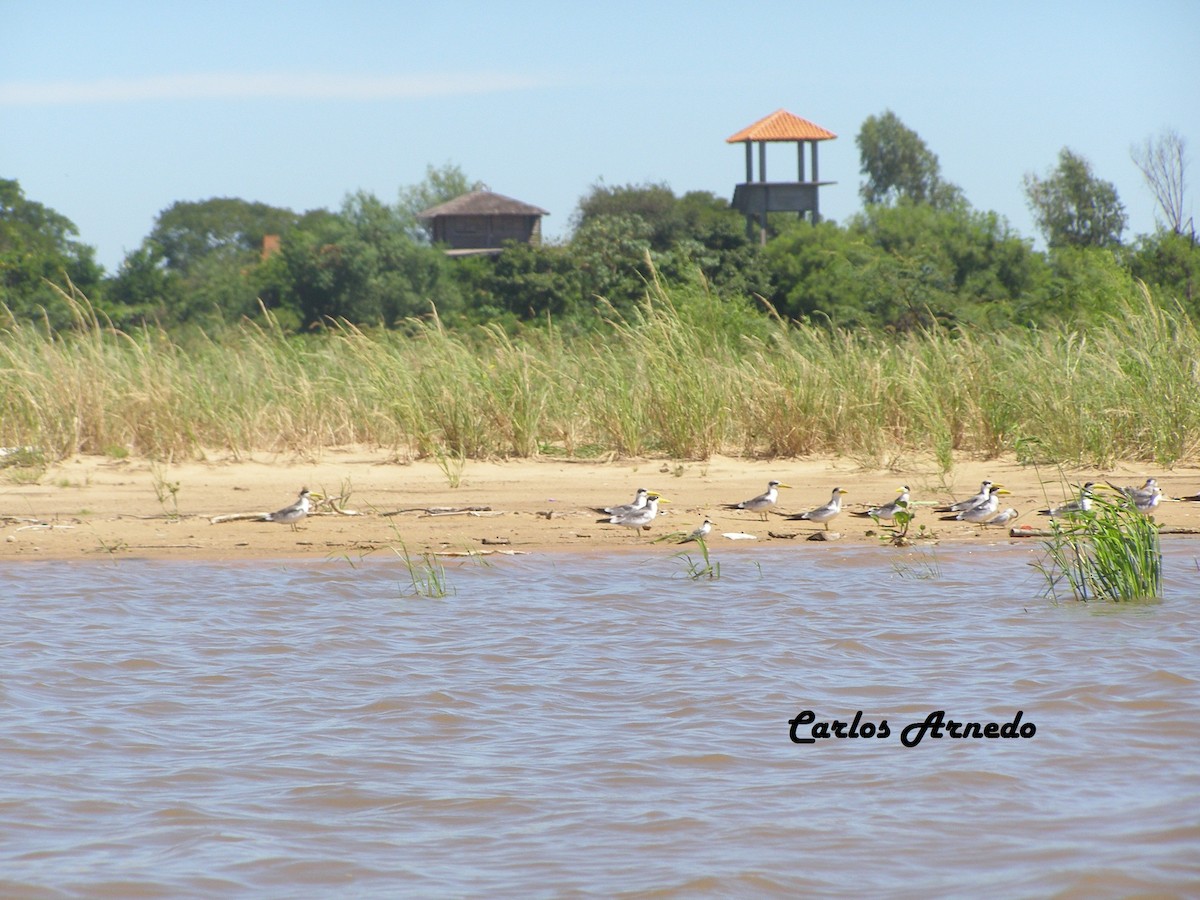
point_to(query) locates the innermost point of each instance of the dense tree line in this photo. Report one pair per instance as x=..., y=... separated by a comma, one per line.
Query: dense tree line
x=917, y=253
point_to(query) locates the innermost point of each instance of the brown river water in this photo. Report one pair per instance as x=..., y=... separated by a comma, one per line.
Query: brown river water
x=597, y=726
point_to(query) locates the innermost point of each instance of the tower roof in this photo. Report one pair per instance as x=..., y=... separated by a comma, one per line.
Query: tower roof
x=482, y=203
x=782, y=125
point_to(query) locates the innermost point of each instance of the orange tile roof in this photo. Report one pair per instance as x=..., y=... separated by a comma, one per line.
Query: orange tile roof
x=782, y=125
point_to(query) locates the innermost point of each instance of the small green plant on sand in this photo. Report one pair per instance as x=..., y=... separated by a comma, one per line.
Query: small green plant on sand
x=705, y=567
x=452, y=464
x=25, y=465
x=897, y=532
x=165, y=490
x=1110, y=553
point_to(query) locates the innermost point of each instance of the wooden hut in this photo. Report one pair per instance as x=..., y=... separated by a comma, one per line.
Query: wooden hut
x=483, y=222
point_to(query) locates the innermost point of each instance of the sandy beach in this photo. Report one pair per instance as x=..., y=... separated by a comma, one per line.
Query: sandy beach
x=96, y=507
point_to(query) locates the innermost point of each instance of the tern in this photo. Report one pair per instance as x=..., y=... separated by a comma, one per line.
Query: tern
x=824, y=514
x=1082, y=505
x=971, y=502
x=1144, y=498
x=638, y=518
x=1003, y=518
x=762, y=502
x=290, y=515
x=887, y=511
x=639, y=500
x=701, y=531
x=983, y=513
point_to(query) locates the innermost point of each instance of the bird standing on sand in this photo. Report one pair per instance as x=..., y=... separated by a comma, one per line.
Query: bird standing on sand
x=638, y=518
x=701, y=531
x=824, y=514
x=971, y=502
x=639, y=500
x=762, y=502
x=1145, y=498
x=290, y=515
x=887, y=511
x=1003, y=518
x=1073, y=507
x=983, y=513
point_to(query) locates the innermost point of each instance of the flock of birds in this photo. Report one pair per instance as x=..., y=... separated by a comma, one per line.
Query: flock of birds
x=981, y=509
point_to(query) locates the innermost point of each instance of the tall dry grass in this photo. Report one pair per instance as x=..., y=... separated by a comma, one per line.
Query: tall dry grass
x=688, y=376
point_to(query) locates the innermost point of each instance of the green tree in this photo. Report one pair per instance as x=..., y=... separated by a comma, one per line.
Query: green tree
x=143, y=290
x=38, y=249
x=899, y=166
x=905, y=266
x=817, y=272
x=619, y=232
x=228, y=228
x=361, y=265
x=612, y=253
x=200, y=264
x=1074, y=208
x=531, y=283
x=1170, y=262
x=654, y=205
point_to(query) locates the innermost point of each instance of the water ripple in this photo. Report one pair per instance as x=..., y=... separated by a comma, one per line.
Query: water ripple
x=592, y=726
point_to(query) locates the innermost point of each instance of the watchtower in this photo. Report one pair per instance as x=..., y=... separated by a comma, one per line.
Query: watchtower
x=755, y=199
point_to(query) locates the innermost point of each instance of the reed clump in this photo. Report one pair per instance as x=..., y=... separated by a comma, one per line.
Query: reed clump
x=1110, y=553
x=687, y=375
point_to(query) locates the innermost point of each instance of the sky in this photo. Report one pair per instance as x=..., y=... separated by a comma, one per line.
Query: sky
x=110, y=112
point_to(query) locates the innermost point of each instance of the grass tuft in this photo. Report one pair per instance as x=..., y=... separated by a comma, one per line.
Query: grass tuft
x=686, y=375
x=1111, y=554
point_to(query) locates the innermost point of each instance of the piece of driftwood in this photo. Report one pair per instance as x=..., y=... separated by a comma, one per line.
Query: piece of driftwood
x=468, y=511
x=1023, y=531
x=479, y=552
x=439, y=510
x=238, y=517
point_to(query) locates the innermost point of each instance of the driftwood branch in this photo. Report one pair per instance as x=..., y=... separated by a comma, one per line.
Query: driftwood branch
x=443, y=511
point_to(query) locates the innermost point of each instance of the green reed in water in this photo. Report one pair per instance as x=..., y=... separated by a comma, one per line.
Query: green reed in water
x=1110, y=553
x=705, y=567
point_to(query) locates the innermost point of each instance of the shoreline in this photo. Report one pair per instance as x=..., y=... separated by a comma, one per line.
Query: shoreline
x=92, y=507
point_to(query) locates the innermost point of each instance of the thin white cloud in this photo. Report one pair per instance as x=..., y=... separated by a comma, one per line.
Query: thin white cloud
x=259, y=86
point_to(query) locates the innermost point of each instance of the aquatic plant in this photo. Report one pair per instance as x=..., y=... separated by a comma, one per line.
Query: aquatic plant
x=919, y=567
x=426, y=574
x=705, y=567
x=1110, y=553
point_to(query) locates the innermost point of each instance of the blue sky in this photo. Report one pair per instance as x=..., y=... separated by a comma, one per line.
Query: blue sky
x=112, y=111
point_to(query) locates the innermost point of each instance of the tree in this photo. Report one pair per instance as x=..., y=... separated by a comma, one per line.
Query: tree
x=1072, y=207
x=361, y=265
x=1163, y=163
x=199, y=264
x=899, y=166
x=188, y=232
x=439, y=186
x=1170, y=262
x=38, y=249
x=653, y=204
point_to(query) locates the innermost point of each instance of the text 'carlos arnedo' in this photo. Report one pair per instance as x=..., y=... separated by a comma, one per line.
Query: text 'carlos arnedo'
x=805, y=729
